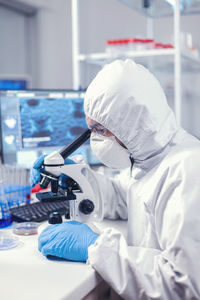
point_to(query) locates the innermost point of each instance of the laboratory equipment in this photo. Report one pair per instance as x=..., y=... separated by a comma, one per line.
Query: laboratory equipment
x=55, y=218
x=35, y=175
x=84, y=203
x=26, y=228
x=163, y=8
x=122, y=46
x=34, y=122
x=8, y=240
x=5, y=215
x=125, y=46
x=14, y=191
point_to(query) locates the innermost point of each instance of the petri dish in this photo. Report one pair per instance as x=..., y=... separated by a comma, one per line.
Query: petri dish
x=26, y=228
x=8, y=241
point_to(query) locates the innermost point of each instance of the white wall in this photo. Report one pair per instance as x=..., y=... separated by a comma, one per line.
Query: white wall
x=13, y=58
x=51, y=41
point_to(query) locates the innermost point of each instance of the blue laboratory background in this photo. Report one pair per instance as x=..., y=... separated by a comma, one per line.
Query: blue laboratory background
x=60, y=119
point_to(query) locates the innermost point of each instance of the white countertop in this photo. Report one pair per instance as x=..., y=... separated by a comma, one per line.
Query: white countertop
x=25, y=274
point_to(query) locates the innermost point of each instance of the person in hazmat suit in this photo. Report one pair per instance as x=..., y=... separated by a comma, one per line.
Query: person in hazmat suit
x=157, y=191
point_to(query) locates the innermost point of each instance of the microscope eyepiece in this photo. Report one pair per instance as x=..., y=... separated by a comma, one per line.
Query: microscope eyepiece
x=73, y=146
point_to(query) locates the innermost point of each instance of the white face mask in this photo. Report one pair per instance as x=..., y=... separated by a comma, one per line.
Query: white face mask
x=109, y=151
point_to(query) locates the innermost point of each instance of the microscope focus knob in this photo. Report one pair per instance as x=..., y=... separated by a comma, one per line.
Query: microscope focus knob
x=86, y=206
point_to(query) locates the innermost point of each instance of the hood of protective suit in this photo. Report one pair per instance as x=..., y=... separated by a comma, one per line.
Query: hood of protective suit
x=128, y=100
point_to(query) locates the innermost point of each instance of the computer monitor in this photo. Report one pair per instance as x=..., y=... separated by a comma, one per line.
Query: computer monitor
x=15, y=82
x=34, y=122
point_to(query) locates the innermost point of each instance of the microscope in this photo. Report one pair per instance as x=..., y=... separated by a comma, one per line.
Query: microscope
x=83, y=195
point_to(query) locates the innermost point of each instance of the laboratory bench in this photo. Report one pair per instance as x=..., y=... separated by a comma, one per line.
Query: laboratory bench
x=25, y=274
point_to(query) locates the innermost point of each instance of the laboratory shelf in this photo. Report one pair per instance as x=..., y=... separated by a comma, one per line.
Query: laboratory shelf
x=162, y=8
x=190, y=63
x=102, y=57
x=191, y=57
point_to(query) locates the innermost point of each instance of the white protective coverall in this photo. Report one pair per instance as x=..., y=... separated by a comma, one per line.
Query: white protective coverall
x=161, y=198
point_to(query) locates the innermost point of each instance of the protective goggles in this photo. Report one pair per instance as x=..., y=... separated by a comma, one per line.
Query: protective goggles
x=98, y=128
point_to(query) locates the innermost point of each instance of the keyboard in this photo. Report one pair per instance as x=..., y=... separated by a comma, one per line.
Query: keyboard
x=39, y=211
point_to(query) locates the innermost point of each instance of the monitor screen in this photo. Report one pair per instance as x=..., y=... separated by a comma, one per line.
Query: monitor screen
x=39, y=122
x=51, y=120
x=13, y=84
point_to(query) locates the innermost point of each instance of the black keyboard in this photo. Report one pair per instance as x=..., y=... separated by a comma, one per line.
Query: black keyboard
x=39, y=211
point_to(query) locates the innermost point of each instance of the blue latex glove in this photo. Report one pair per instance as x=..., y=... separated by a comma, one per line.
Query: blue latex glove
x=35, y=176
x=69, y=240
